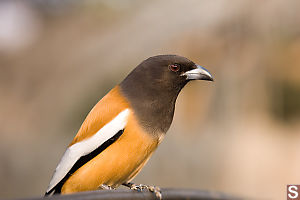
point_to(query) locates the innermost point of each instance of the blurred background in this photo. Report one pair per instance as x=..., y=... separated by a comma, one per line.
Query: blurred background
x=239, y=135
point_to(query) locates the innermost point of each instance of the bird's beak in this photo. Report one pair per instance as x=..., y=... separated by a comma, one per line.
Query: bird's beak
x=200, y=73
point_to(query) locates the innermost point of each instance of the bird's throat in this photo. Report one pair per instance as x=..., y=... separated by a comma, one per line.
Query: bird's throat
x=154, y=110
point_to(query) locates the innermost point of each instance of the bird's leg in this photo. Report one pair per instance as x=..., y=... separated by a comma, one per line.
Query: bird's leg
x=106, y=187
x=141, y=187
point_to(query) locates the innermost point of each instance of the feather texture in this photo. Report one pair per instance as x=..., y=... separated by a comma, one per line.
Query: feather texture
x=77, y=150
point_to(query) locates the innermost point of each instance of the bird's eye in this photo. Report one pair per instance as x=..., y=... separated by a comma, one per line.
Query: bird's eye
x=174, y=68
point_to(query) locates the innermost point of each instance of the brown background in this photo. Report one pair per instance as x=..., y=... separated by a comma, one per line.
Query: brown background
x=240, y=134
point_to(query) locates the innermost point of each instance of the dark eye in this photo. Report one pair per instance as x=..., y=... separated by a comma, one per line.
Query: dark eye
x=174, y=68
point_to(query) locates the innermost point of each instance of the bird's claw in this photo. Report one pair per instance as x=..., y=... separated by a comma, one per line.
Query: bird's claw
x=106, y=187
x=139, y=187
x=142, y=187
x=156, y=191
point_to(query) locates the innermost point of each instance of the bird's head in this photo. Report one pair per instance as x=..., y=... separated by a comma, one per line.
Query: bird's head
x=166, y=73
x=153, y=86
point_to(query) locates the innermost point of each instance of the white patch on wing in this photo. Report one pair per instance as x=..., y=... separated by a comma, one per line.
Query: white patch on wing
x=77, y=150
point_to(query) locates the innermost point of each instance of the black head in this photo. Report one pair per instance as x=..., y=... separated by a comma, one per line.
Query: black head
x=153, y=86
x=166, y=73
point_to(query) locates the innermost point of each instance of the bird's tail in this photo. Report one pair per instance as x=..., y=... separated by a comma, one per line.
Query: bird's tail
x=55, y=190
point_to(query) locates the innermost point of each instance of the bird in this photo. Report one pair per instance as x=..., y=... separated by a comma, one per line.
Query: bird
x=124, y=128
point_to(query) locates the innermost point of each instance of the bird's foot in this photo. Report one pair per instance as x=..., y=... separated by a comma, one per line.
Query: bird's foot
x=142, y=187
x=106, y=187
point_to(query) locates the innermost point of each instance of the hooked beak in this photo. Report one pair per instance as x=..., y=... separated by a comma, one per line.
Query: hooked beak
x=200, y=73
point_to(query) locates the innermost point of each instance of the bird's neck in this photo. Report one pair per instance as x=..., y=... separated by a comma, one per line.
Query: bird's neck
x=154, y=108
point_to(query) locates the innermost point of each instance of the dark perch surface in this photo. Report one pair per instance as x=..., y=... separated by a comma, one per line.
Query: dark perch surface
x=167, y=194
